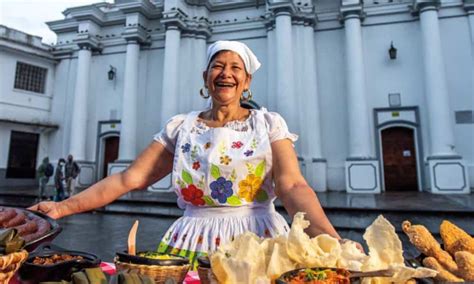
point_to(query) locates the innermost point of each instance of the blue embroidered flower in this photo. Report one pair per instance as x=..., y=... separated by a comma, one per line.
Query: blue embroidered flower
x=221, y=189
x=186, y=147
x=248, y=153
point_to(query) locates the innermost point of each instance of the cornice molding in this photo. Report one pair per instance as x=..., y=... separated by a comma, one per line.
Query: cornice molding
x=420, y=6
x=174, y=17
x=469, y=6
x=86, y=41
x=213, y=6
x=144, y=7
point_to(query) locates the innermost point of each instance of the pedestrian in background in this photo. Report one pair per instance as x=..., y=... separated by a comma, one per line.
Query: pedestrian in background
x=59, y=180
x=44, y=172
x=72, y=170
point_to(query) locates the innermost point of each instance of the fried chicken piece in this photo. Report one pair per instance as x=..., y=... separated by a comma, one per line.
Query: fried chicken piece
x=450, y=234
x=443, y=274
x=422, y=239
x=464, y=244
x=465, y=261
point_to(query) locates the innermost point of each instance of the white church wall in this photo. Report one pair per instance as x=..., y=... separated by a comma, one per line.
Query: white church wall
x=333, y=104
x=148, y=112
x=14, y=102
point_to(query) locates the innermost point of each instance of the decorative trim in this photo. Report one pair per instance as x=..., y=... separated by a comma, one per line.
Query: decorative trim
x=454, y=189
x=358, y=159
x=362, y=164
x=450, y=157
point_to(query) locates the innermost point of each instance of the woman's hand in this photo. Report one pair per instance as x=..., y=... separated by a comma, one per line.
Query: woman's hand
x=50, y=208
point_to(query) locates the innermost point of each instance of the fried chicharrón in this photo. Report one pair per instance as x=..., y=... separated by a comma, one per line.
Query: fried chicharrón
x=465, y=261
x=424, y=241
x=443, y=274
x=455, y=239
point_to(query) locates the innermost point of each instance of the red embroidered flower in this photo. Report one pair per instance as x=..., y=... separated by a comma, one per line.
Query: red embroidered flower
x=200, y=239
x=196, y=165
x=175, y=237
x=237, y=145
x=193, y=194
x=218, y=241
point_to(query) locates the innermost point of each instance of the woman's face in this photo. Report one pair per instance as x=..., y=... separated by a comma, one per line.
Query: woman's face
x=226, y=78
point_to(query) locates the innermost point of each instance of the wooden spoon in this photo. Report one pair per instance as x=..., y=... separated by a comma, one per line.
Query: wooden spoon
x=132, y=239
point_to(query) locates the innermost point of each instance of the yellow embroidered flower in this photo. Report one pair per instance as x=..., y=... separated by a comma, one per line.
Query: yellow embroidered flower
x=248, y=188
x=225, y=160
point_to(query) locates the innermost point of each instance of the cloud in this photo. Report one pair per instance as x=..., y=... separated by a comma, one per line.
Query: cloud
x=29, y=16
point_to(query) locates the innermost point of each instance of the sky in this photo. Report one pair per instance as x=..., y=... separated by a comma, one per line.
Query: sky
x=29, y=16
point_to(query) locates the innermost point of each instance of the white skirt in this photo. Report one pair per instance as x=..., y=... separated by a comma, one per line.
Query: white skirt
x=202, y=229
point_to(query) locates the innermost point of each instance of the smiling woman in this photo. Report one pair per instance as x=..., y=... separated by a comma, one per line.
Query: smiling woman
x=229, y=164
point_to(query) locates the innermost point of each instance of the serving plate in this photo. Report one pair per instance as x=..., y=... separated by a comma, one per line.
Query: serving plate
x=49, y=236
x=34, y=273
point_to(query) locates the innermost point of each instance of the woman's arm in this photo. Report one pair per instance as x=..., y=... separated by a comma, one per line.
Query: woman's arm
x=154, y=163
x=294, y=192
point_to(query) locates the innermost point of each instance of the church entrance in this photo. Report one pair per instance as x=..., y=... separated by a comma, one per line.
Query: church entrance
x=111, y=148
x=399, y=159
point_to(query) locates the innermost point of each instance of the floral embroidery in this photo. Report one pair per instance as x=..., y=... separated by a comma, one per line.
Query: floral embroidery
x=196, y=165
x=184, y=237
x=193, y=194
x=249, y=187
x=267, y=233
x=207, y=145
x=186, y=147
x=237, y=145
x=175, y=237
x=221, y=189
x=200, y=239
x=248, y=153
x=218, y=241
x=225, y=160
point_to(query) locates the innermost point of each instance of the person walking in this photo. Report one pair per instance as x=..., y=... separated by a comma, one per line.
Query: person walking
x=59, y=180
x=44, y=172
x=72, y=170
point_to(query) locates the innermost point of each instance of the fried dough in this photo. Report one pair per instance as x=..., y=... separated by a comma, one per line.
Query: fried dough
x=464, y=244
x=465, y=261
x=451, y=234
x=443, y=275
x=422, y=239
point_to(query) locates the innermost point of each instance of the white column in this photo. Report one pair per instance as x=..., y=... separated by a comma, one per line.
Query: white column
x=77, y=146
x=169, y=91
x=316, y=169
x=360, y=144
x=271, y=74
x=436, y=91
x=447, y=170
x=362, y=170
x=199, y=61
x=128, y=140
x=285, y=94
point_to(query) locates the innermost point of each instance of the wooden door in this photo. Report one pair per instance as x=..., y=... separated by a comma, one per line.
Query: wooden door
x=399, y=159
x=110, y=152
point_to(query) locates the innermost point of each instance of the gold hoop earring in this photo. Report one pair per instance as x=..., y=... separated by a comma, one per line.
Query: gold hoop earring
x=201, y=93
x=248, y=97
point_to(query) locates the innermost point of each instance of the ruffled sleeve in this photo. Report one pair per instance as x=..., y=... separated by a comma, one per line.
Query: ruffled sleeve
x=169, y=134
x=277, y=128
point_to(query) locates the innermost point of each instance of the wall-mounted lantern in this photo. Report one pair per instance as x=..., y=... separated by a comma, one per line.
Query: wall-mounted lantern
x=392, y=51
x=112, y=73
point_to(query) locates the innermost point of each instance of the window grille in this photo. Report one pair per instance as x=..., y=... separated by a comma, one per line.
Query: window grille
x=30, y=78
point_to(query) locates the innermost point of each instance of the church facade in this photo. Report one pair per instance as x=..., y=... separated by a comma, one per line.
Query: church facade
x=381, y=92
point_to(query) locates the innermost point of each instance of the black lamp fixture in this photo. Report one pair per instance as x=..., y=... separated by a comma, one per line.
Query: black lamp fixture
x=112, y=73
x=392, y=51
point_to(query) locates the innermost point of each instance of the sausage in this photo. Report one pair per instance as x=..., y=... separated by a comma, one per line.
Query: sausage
x=6, y=214
x=19, y=219
x=28, y=228
x=43, y=227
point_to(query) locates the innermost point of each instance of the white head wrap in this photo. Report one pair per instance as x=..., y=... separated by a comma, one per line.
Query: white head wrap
x=248, y=57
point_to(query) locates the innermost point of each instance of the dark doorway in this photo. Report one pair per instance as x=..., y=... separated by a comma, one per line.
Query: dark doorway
x=110, y=152
x=399, y=159
x=22, y=155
